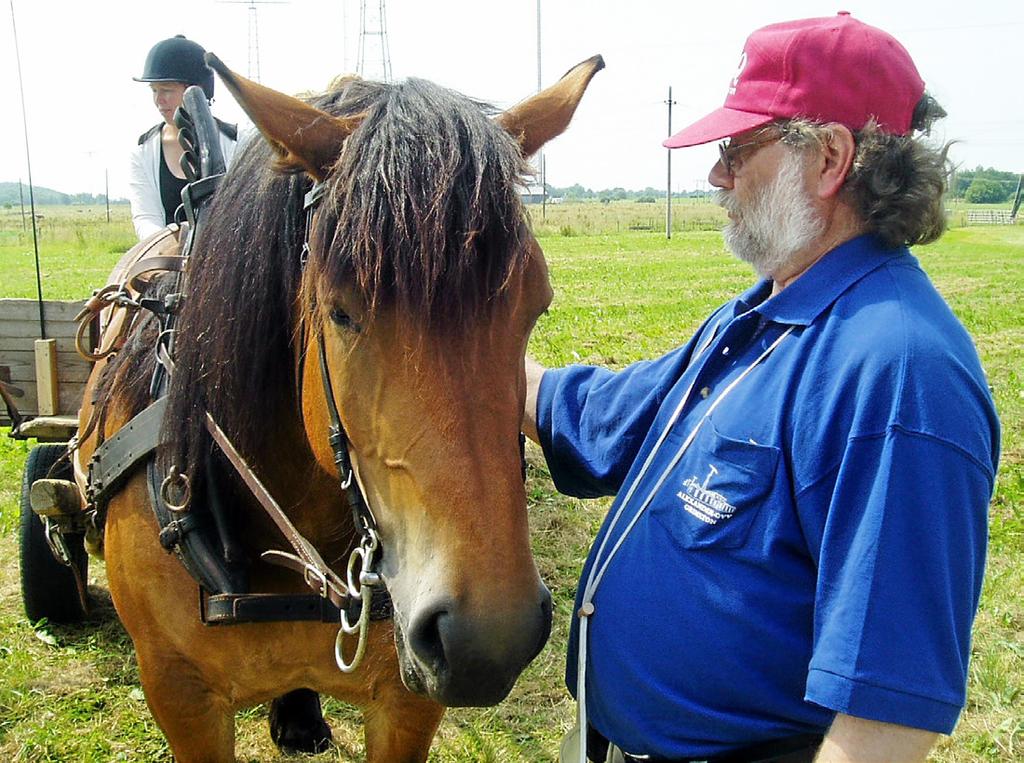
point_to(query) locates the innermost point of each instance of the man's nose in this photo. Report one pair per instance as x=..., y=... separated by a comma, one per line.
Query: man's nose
x=718, y=177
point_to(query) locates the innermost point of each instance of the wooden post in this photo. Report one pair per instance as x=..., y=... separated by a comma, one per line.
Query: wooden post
x=47, y=388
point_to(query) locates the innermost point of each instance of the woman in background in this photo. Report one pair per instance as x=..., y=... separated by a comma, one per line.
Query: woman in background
x=156, y=178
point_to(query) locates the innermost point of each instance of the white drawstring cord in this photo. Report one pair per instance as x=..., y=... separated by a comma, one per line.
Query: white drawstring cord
x=597, y=571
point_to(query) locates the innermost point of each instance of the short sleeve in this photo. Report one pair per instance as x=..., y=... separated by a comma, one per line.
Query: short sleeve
x=901, y=554
x=592, y=421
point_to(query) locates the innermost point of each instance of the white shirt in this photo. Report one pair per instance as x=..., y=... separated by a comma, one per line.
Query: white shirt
x=144, y=182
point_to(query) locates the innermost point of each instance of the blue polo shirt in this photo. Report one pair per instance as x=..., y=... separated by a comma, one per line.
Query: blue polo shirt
x=820, y=545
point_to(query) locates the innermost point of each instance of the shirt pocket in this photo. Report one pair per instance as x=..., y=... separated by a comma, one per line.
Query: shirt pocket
x=713, y=495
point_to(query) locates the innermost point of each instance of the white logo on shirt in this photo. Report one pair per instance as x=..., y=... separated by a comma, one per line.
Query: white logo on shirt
x=735, y=81
x=706, y=505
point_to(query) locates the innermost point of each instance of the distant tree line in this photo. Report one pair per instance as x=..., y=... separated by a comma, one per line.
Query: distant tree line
x=10, y=196
x=984, y=185
x=650, y=195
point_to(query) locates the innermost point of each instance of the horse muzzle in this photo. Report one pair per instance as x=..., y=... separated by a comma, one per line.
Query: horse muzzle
x=463, y=658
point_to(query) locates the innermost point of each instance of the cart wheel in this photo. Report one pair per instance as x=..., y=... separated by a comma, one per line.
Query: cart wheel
x=48, y=587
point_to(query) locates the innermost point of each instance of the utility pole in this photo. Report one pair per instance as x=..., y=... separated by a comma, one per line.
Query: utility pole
x=21, y=196
x=106, y=191
x=668, y=189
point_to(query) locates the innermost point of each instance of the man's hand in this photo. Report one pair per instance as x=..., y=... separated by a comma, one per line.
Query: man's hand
x=534, y=372
x=857, y=740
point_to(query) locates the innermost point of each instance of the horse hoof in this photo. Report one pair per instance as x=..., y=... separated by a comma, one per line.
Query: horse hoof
x=297, y=723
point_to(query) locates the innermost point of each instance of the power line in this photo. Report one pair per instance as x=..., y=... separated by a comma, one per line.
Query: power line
x=254, y=33
x=373, y=33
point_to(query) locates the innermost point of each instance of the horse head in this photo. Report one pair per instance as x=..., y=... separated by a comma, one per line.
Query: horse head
x=422, y=286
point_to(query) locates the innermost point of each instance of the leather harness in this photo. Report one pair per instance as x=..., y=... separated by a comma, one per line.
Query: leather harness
x=224, y=597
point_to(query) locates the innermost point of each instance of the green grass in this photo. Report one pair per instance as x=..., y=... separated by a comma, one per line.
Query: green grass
x=620, y=295
x=77, y=249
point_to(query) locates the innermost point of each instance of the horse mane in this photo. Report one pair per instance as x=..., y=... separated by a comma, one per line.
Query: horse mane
x=421, y=214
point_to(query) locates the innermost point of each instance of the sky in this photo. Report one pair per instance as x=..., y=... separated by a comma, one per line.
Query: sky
x=85, y=113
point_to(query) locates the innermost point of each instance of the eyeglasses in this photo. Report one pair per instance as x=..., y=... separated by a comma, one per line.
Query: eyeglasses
x=729, y=154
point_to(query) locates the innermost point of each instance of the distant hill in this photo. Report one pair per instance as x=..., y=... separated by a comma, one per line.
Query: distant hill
x=9, y=195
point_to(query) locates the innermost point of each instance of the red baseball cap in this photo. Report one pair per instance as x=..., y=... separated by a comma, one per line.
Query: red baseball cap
x=834, y=69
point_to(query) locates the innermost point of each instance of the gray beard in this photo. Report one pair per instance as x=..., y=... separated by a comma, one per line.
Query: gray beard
x=779, y=222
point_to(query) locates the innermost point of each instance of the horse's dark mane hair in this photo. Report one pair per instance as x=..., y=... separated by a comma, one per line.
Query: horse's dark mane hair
x=423, y=210
x=421, y=214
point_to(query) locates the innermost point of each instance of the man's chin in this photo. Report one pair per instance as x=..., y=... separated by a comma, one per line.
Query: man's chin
x=747, y=252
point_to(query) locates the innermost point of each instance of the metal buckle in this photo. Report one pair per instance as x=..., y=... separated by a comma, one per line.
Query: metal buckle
x=310, y=574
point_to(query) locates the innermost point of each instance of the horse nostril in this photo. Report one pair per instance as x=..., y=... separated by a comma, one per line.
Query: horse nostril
x=467, y=657
x=425, y=637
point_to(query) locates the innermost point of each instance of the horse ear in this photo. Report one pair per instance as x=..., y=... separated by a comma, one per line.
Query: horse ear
x=540, y=118
x=303, y=136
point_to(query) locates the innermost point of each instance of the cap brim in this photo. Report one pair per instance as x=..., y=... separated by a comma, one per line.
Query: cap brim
x=719, y=124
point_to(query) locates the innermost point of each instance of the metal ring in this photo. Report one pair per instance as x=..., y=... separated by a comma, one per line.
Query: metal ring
x=174, y=478
x=354, y=587
x=346, y=626
x=348, y=666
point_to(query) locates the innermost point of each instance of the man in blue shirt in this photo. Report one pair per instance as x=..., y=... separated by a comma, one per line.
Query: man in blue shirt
x=793, y=562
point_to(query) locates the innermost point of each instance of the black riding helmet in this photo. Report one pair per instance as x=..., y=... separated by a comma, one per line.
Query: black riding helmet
x=178, y=60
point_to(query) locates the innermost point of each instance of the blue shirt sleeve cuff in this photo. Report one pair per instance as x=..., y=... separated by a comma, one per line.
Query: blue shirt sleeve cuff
x=878, y=703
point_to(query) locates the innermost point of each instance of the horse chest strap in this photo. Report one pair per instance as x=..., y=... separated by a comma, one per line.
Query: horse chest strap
x=117, y=456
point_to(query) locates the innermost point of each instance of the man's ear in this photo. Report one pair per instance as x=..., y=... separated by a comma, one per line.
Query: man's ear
x=836, y=161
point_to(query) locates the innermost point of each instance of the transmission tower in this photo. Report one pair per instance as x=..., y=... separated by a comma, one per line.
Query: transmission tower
x=253, y=72
x=374, y=60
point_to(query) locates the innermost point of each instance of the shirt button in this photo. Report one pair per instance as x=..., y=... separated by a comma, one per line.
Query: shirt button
x=725, y=350
x=705, y=392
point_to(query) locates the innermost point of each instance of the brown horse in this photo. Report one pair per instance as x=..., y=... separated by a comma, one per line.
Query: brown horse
x=421, y=289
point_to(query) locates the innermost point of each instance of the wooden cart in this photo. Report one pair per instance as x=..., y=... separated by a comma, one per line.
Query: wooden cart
x=43, y=381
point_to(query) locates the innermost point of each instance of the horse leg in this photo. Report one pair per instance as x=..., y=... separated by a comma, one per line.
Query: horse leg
x=199, y=725
x=297, y=723
x=400, y=728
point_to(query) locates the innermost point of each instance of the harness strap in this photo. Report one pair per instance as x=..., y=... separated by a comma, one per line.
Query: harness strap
x=230, y=608
x=307, y=560
x=193, y=549
x=161, y=262
x=338, y=438
x=117, y=456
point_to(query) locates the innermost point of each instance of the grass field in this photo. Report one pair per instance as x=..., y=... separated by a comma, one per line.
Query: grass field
x=72, y=693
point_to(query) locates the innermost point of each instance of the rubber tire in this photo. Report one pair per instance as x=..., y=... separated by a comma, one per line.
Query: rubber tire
x=48, y=587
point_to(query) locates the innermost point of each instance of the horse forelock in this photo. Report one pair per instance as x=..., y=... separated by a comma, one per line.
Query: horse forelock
x=422, y=213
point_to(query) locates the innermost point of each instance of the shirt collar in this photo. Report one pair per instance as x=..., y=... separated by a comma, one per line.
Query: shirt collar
x=808, y=296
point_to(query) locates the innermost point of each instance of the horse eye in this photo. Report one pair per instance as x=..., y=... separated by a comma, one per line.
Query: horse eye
x=340, y=318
